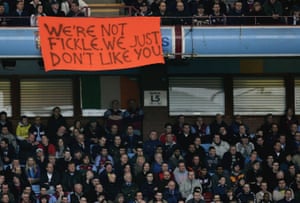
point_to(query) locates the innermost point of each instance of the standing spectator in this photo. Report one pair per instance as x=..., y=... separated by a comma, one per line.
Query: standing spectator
x=114, y=115
x=70, y=177
x=202, y=129
x=38, y=129
x=275, y=7
x=5, y=133
x=20, y=15
x=7, y=152
x=4, y=121
x=27, y=148
x=185, y=138
x=55, y=121
x=217, y=123
x=23, y=128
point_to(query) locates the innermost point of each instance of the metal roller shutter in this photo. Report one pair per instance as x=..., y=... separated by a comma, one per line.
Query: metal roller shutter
x=39, y=96
x=196, y=96
x=258, y=96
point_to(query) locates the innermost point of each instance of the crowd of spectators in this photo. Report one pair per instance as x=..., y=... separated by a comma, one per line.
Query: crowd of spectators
x=114, y=162
x=219, y=12
x=26, y=12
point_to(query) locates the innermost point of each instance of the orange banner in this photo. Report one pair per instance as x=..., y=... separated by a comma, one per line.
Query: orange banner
x=96, y=44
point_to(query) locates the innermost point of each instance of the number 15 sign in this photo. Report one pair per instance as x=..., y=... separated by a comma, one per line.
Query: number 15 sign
x=155, y=98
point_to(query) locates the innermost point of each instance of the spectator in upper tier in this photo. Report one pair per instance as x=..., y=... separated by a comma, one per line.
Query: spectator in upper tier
x=54, y=9
x=82, y=6
x=143, y=10
x=20, y=15
x=162, y=12
x=39, y=11
x=75, y=10
x=237, y=15
x=273, y=8
x=181, y=14
x=257, y=18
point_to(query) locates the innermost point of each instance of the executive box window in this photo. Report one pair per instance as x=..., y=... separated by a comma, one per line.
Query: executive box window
x=196, y=96
x=39, y=96
x=258, y=96
x=5, y=99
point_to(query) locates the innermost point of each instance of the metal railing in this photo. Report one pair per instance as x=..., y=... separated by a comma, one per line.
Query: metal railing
x=187, y=21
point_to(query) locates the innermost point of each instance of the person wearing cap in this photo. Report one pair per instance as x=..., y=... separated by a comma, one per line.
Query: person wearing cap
x=245, y=147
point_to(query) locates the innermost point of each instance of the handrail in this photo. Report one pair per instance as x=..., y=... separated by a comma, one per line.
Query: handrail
x=188, y=21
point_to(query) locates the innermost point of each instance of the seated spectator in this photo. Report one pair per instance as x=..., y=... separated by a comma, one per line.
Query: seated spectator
x=280, y=189
x=171, y=193
x=181, y=15
x=82, y=7
x=54, y=10
x=261, y=195
x=231, y=158
x=288, y=197
x=163, y=13
x=197, y=197
x=201, y=18
x=189, y=184
x=247, y=195
x=294, y=19
x=237, y=15
x=32, y=7
x=245, y=147
x=212, y=160
x=220, y=146
x=3, y=22
x=257, y=18
x=180, y=173
x=273, y=8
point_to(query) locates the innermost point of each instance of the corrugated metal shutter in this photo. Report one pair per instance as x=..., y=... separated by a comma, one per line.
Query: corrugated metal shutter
x=196, y=96
x=297, y=95
x=39, y=96
x=258, y=96
x=5, y=99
